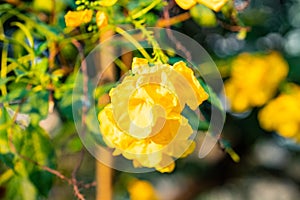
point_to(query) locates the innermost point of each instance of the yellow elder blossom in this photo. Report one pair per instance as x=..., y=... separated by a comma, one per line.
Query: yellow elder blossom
x=282, y=114
x=101, y=19
x=141, y=190
x=144, y=123
x=76, y=18
x=254, y=80
x=215, y=5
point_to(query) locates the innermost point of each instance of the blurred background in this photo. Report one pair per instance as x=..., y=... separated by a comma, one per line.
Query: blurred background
x=261, y=161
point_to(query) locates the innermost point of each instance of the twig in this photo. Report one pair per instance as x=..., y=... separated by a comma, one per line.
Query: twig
x=178, y=44
x=83, y=116
x=75, y=170
x=233, y=28
x=167, y=22
x=85, y=83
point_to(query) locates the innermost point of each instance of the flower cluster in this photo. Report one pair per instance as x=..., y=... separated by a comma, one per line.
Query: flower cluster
x=144, y=123
x=282, y=114
x=254, y=80
x=215, y=5
x=77, y=18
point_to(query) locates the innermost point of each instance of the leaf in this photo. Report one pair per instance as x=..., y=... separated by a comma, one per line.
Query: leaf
x=36, y=106
x=3, y=81
x=74, y=145
x=38, y=147
x=15, y=94
x=20, y=188
x=22, y=120
x=4, y=122
x=7, y=159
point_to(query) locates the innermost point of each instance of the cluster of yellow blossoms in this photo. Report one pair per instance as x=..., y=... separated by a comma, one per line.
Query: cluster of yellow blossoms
x=215, y=5
x=144, y=123
x=77, y=18
x=282, y=114
x=254, y=80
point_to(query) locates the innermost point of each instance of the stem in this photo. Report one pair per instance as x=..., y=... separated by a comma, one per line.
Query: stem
x=103, y=172
x=145, y=10
x=173, y=20
x=134, y=42
x=4, y=66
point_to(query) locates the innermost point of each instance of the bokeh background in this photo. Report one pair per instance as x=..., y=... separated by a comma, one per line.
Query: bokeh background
x=268, y=166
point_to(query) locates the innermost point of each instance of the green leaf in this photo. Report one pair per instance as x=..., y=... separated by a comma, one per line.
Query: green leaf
x=20, y=188
x=36, y=106
x=15, y=94
x=74, y=145
x=7, y=159
x=3, y=81
x=38, y=148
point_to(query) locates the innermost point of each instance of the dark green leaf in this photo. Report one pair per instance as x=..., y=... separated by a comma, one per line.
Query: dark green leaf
x=7, y=159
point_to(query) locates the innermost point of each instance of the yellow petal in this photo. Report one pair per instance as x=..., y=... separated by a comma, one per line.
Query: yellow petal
x=185, y=4
x=167, y=169
x=199, y=92
x=76, y=18
x=101, y=19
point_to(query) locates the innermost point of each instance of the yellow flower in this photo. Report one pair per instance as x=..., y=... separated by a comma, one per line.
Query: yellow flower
x=101, y=19
x=254, y=80
x=215, y=5
x=282, y=114
x=141, y=190
x=185, y=4
x=144, y=123
x=76, y=18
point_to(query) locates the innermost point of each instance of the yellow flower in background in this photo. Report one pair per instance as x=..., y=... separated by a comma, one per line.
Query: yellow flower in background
x=141, y=190
x=185, y=4
x=101, y=19
x=144, y=121
x=254, y=80
x=215, y=5
x=76, y=18
x=282, y=114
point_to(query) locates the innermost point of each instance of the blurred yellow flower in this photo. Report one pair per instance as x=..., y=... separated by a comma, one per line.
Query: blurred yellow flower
x=76, y=18
x=215, y=5
x=144, y=121
x=101, y=19
x=254, y=80
x=282, y=114
x=185, y=4
x=141, y=190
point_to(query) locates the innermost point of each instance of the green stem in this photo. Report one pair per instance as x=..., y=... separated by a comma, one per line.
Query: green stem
x=134, y=42
x=145, y=10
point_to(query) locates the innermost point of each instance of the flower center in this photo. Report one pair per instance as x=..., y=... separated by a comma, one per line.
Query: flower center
x=148, y=110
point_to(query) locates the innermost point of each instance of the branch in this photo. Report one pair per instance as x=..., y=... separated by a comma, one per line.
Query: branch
x=177, y=43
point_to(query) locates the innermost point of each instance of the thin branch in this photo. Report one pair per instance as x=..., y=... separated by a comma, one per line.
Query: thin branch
x=233, y=28
x=177, y=43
